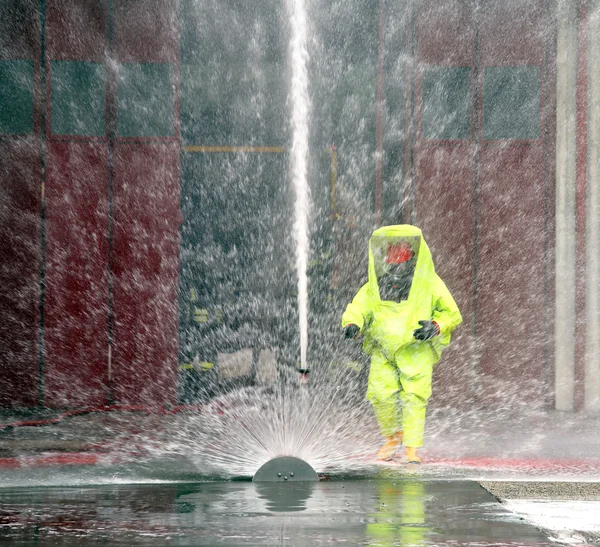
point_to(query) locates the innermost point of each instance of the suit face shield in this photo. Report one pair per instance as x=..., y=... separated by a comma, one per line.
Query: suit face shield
x=395, y=272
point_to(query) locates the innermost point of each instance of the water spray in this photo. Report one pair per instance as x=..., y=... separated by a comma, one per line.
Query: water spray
x=299, y=162
x=287, y=468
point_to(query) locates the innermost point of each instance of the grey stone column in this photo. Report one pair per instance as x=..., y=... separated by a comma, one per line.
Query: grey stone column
x=566, y=140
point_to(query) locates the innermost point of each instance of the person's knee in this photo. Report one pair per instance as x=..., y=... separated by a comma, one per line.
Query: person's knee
x=381, y=391
x=415, y=399
x=379, y=398
x=417, y=389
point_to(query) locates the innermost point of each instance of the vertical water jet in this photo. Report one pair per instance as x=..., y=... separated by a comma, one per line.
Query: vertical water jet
x=299, y=160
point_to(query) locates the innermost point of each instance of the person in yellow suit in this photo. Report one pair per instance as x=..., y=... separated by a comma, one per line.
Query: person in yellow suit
x=406, y=316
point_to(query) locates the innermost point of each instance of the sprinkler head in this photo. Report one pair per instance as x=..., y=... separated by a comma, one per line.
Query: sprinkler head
x=303, y=372
x=286, y=469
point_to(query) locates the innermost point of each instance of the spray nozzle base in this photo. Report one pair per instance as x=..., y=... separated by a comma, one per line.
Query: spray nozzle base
x=286, y=469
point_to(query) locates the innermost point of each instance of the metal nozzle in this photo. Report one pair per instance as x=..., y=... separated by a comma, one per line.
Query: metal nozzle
x=286, y=469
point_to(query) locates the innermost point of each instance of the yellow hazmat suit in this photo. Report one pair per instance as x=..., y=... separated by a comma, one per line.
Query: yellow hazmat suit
x=399, y=384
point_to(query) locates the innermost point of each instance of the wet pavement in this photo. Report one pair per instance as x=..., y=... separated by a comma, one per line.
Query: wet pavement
x=408, y=511
x=567, y=511
x=71, y=480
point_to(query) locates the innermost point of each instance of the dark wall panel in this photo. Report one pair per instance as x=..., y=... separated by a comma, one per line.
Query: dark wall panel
x=20, y=257
x=77, y=276
x=20, y=202
x=19, y=29
x=76, y=357
x=145, y=265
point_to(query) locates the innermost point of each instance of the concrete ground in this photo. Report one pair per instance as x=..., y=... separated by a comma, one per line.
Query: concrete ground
x=568, y=512
x=539, y=490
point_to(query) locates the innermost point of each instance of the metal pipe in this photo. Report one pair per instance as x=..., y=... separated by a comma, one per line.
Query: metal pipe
x=379, y=121
x=592, y=354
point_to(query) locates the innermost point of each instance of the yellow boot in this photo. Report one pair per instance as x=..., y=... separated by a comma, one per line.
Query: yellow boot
x=387, y=451
x=411, y=455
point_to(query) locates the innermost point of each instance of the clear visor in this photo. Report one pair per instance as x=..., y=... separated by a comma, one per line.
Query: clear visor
x=381, y=255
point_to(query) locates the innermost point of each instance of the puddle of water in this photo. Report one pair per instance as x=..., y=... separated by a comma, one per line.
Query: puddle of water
x=367, y=512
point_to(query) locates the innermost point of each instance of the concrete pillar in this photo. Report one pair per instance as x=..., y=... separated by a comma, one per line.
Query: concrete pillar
x=592, y=354
x=566, y=135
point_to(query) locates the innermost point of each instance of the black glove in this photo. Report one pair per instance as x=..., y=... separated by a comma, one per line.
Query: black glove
x=428, y=330
x=351, y=331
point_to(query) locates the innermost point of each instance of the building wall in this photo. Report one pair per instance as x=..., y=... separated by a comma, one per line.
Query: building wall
x=476, y=137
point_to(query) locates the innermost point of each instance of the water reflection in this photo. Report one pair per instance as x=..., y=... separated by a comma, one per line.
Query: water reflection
x=285, y=497
x=401, y=515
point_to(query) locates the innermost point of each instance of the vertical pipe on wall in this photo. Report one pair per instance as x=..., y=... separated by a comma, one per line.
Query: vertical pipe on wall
x=111, y=85
x=411, y=113
x=566, y=168
x=379, y=121
x=592, y=354
x=580, y=205
x=477, y=102
x=42, y=133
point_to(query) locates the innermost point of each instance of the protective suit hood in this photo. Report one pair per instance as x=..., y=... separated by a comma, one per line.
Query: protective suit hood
x=382, y=244
x=393, y=322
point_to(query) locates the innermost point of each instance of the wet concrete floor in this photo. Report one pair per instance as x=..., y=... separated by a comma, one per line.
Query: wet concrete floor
x=407, y=512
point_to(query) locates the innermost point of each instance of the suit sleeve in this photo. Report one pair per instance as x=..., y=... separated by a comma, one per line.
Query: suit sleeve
x=445, y=311
x=357, y=309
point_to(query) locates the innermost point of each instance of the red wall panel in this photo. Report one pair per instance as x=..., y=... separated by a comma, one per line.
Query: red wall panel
x=511, y=273
x=513, y=33
x=145, y=30
x=445, y=32
x=77, y=275
x=20, y=252
x=145, y=266
x=444, y=211
x=77, y=29
x=513, y=281
x=444, y=179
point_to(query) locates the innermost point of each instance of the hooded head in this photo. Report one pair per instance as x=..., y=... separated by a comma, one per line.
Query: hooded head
x=394, y=276
x=398, y=259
